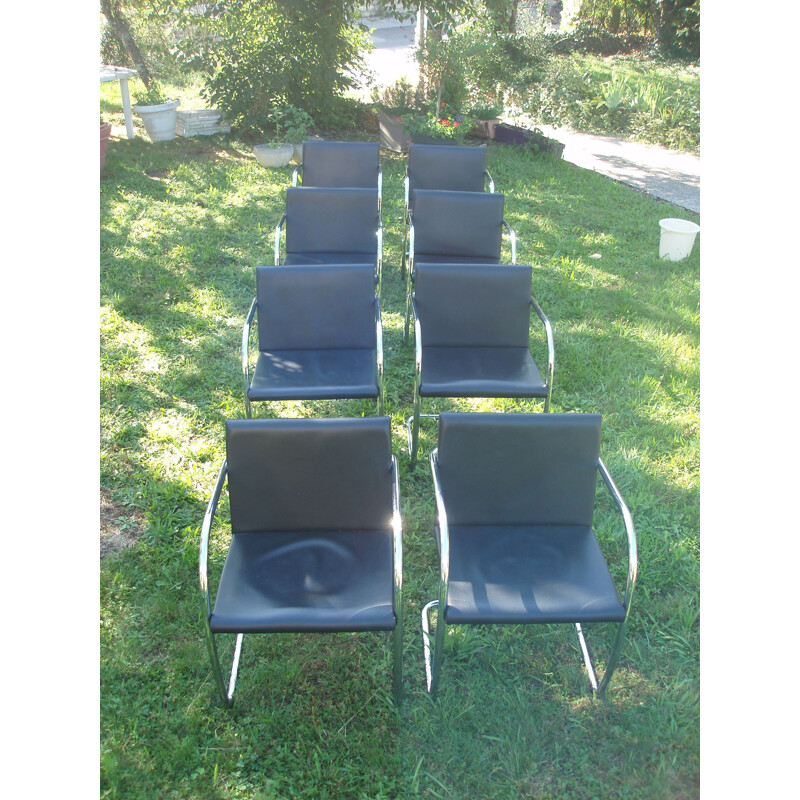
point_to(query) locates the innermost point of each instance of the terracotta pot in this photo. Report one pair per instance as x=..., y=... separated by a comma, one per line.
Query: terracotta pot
x=105, y=134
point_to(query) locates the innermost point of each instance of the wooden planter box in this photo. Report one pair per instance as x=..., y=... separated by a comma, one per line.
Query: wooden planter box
x=511, y=134
x=392, y=136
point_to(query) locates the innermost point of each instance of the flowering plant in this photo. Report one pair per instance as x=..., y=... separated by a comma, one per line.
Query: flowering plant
x=445, y=124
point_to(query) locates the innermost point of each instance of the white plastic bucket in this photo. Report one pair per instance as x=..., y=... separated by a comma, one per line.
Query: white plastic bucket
x=677, y=238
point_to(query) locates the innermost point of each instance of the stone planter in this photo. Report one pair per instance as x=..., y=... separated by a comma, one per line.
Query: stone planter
x=392, y=135
x=105, y=134
x=536, y=140
x=159, y=120
x=273, y=156
x=484, y=128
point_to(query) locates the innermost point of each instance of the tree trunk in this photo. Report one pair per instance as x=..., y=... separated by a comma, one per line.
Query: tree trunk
x=512, y=21
x=119, y=25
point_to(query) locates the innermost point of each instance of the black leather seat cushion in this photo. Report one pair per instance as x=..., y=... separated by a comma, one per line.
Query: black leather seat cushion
x=461, y=224
x=432, y=258
x=314, y=374
x=331, y=220
x=510, y=574
x=340, y=164
x=320, y=581
x=480, y=372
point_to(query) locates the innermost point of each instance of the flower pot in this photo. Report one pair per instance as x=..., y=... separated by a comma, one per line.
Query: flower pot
x=484, y=128
x=510, y=134
x=105, y=134
x=159, y=120
x=273, y=156
x=392, y=135
x=677, y=238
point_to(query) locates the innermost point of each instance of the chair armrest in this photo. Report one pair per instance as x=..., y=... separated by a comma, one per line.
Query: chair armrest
x=551, y=354
x=417, y=336
x=397, y=531
x=491, y=181
x=405, y=190
x=444, y=534
x=295, y=173
x=513, y=237
x=205, y=531
x=633, y=560
x=380, y=188
x=278, y=240
x=410, y=263
x=379, y=262
x=379, y=336
x=246, y=344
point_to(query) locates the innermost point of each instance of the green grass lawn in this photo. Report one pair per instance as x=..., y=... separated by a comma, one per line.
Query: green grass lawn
x=183, y=225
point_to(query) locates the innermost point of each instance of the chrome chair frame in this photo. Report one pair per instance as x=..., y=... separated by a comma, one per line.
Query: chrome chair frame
x=412, y=423
x=433, y=662
x=246, y=356
x=378, y=257
x=407, y=216
x=226, y=692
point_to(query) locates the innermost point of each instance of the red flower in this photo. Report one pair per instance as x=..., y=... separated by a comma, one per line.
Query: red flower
x=457, y=124
x=445, y=121
x=398, y=119
x=442, y=105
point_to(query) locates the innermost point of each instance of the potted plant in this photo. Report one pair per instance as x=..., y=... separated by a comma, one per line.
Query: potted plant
x=446, y=126
x=105, y=134
x=291, y=128
x=486, y=117
x=159, y=114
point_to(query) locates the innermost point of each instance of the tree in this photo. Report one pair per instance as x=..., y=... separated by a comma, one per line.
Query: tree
x=122, y=30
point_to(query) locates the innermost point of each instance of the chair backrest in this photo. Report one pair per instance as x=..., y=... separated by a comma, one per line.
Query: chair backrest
x=518, y=469
x=316, y=307
x=309, y=474
x=323, y=220
x=461, y=224
x=450, y=167
x=340, y=164
x=473, y=305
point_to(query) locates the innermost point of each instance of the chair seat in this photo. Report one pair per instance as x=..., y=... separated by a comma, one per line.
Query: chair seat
x=293, y=259
x=314, y=375
x=425, y=258
x=480, y=372
x=306, y=581
x=538, y=574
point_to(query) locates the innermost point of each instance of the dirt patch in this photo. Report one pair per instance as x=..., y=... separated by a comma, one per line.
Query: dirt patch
x=120, y=527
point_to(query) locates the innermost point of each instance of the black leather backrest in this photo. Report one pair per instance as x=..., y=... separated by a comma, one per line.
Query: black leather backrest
x=309, y=474
x=320, y=220
x=316, y=307
x=516, y=469
x=457, y=224
x=473, y=305
x=340, y=164
x=450, y=167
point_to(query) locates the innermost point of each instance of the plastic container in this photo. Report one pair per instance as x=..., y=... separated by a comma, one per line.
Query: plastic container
x=677, y=238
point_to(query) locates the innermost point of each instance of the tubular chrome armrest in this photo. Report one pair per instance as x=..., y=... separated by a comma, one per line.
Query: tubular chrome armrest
x=410, y=246
x=278, y=240
x=379, y=335
x=444, y=534
x=405, y=190
x=380, y=188
x=246, y=344
x=417, y=335
x=397, y=530
x=551, y=355
x=295, y=173
x=491, y=181
x=633, y=559
x=379, y=264
x=205, y=531
x=513, y=237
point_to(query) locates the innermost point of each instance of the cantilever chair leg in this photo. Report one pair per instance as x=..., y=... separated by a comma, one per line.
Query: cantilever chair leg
x=433, y=665
x=211, y=643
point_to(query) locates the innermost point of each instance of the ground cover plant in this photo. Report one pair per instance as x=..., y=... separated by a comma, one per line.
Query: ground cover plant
x=183, y=225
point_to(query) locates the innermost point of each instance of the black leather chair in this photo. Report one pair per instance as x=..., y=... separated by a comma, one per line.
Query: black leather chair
x=449, y=227
x=331, y=226
x=319, y=335
x=340, y=164
x=316, y=542
x=471, y=336
x=514, y=498
x=456, y=168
